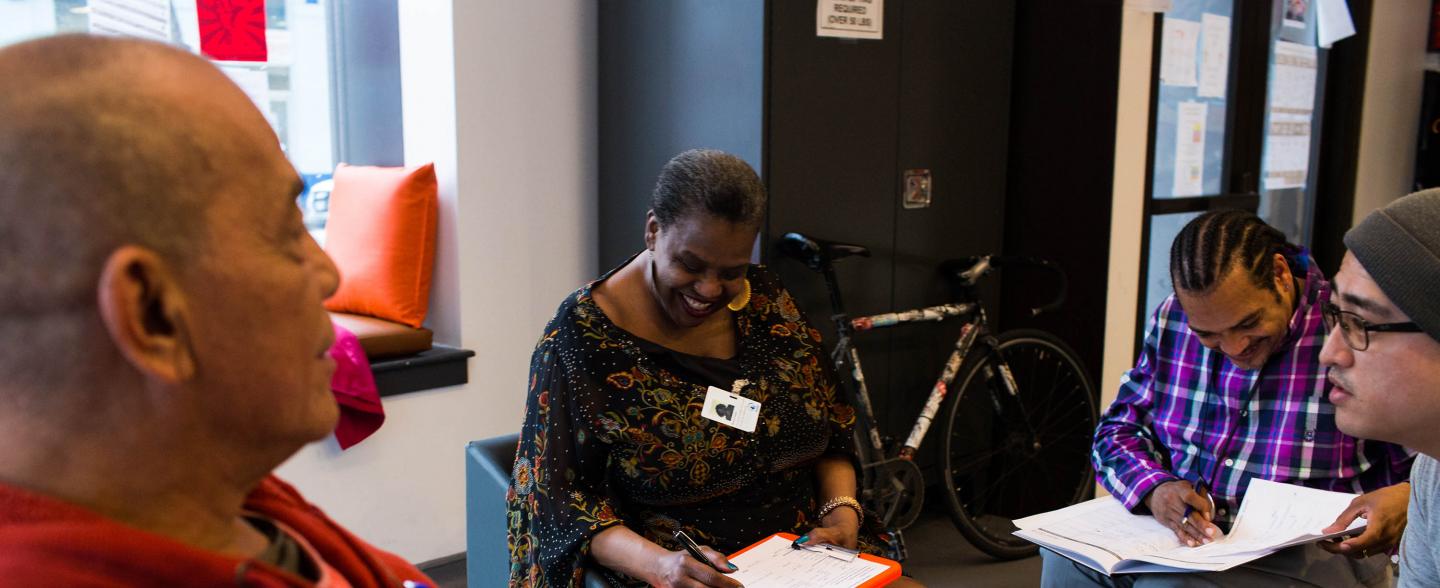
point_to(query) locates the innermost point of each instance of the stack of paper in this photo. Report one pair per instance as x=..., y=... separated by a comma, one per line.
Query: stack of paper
x=1102, y=535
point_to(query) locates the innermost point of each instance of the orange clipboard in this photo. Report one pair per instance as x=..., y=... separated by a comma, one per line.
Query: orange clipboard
x=891, y=573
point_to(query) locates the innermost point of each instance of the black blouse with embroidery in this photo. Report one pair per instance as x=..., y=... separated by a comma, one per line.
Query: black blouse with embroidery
x=613, y=435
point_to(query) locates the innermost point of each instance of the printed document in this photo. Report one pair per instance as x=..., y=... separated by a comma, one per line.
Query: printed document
x=1292, y=109
x=774, y=563
x=1102, y=535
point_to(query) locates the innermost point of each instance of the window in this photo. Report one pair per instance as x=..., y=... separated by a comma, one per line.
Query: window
x=1241, y=138
x=294, y=87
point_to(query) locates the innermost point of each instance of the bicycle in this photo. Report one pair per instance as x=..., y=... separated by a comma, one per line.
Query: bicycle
x=1010, y=450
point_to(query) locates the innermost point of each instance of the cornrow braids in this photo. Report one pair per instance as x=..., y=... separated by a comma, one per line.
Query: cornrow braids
x=1213, y=243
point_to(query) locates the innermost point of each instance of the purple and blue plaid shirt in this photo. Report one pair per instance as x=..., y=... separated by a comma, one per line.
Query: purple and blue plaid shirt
x=1186, y=412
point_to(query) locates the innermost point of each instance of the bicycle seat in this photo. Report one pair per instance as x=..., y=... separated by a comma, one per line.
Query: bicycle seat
x=818, y=253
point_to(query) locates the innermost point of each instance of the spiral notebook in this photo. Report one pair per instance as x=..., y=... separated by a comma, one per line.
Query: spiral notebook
x=773, y=563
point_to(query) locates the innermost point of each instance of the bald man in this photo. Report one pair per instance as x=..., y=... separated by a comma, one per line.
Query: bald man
x=164, y=343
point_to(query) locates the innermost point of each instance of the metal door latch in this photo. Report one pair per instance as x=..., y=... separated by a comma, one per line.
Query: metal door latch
x=917, y=189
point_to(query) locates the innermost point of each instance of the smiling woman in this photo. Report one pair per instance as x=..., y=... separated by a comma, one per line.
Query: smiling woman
x=624, y=441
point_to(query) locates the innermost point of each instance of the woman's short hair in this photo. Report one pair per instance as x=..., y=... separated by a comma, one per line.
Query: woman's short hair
x=1219, y=241
x=713, y=182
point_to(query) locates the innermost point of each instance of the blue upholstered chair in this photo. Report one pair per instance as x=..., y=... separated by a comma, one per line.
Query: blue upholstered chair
x=487, y=476
x=488, y=464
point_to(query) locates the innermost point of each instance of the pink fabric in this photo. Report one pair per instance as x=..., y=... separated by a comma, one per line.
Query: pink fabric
x=354, y=386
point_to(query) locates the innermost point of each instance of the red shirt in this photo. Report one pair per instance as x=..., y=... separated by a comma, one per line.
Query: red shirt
x=48, y=542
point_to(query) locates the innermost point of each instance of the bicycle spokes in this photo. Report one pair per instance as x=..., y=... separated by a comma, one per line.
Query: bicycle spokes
x=1017, y=445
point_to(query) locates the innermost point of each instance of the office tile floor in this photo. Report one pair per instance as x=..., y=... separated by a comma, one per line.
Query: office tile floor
x=939, y=556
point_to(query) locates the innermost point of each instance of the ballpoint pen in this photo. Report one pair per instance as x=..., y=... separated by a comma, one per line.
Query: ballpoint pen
x=694, y=549
x=1204, y=488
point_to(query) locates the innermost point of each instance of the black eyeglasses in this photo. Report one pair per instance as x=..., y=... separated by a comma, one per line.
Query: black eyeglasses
x=1356, y=330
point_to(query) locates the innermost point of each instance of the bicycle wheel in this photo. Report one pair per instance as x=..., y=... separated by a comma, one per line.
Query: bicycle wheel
x=1008, y=457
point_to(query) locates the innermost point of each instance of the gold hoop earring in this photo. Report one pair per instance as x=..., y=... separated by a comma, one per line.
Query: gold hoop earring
x=741, y=299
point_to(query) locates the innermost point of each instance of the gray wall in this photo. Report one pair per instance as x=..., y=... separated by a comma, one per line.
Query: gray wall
x=674, y=75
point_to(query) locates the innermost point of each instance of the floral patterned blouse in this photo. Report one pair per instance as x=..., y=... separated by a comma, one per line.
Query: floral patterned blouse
x=613, y=436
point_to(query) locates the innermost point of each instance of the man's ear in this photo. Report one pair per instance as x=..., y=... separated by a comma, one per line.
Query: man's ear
x=652, y=229
x=142, y=308
x=1283, y=278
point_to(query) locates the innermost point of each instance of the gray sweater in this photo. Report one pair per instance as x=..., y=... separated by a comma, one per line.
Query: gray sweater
x=1420, y=547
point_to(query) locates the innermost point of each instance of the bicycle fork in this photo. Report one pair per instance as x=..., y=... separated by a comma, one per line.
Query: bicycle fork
x=938, y=392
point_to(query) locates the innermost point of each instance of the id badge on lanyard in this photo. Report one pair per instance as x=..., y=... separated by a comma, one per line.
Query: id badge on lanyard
x=730, y=409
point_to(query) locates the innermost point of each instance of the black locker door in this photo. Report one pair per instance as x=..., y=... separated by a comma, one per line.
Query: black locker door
x=845, y=119
x=830, y=158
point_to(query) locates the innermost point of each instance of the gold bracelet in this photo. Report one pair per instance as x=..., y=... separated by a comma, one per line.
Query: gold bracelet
x=846, y=501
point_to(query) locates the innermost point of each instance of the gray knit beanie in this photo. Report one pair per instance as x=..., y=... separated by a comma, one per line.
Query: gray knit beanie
x=1400, y=246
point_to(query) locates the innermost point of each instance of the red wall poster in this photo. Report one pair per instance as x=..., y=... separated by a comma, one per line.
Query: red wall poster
x=232, y=30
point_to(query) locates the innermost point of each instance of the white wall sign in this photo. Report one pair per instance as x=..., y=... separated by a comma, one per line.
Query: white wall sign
x=1178, y=50
x=147, y=19
x=1190, y=149
x=1334, y=22
x=850, y=19
x=1292, y=106
x=1214, y=55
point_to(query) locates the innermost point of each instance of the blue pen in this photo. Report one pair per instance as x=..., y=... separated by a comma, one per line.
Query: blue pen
x=1202, y=487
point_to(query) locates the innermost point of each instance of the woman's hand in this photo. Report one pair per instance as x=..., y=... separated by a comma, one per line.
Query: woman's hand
x=835, y=476
x=841, y=527
x=624, y=551
x=678, y=569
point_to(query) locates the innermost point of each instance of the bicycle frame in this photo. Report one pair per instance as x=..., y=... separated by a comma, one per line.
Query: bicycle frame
x=890, y=480
x=969, y=333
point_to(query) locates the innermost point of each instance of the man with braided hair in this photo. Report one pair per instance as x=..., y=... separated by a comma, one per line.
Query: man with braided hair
x=1229, y=387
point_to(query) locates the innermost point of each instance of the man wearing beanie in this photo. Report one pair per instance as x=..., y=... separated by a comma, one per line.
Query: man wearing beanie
x=1383, y=353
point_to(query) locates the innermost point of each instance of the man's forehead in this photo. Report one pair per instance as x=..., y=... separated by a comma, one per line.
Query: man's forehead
x=1356, y=291
x=1217, y=318
x=264, y=197
x=1232, y=301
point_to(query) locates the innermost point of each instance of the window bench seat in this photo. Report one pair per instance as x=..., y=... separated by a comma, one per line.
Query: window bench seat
x=405, y=359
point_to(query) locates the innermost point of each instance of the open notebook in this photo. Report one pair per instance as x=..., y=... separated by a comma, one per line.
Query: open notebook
x=773, y=563
x=1104, y=536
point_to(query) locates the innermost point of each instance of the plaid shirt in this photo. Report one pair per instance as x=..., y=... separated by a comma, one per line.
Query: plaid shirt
x=1186, y=412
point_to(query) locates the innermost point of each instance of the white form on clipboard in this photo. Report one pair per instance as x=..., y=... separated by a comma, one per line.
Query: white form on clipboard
x=774, y=563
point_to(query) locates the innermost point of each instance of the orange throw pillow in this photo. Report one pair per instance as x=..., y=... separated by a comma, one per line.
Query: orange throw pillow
x=381, y=234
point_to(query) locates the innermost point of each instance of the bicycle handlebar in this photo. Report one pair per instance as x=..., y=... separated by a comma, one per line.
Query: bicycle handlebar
x=988, y=263
x=969, y=270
